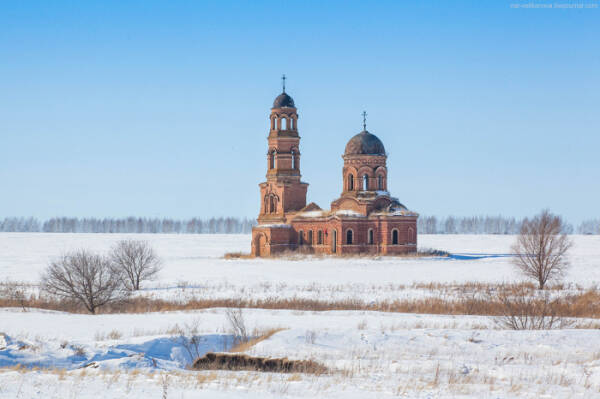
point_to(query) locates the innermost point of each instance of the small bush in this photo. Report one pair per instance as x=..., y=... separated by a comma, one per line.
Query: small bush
x=521, y=309
x=310, y=337
x=432, y=252
x=115, y=334
x=237, y=255
x=78, y=350
x=13, y=293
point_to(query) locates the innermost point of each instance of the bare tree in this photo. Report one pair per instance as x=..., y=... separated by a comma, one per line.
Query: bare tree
x=84, y=277
x=541, y=248
x=137, y=260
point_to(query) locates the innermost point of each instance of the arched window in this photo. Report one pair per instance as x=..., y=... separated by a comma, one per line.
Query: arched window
x=365, y=182
x=272, y=204
x=395, y=237
x=310, y=237
x=272, y=160
x=320, y=237
x=349, y=234
x=293, y=159
x=285, y=124
x=300, y=237
x=350, y=182
x=370, y=236
x=379, y=182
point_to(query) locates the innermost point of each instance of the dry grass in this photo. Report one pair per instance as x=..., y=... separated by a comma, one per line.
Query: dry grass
x=238, y=255
x=246, y=345
x=450, y=299
x=409, y=379
x=112, y=335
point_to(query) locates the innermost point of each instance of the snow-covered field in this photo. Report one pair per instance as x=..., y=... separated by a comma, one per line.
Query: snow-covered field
x=371, y=354
x=194, y=265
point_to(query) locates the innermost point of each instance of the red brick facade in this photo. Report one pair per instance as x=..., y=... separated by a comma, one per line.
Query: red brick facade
x=364, y=220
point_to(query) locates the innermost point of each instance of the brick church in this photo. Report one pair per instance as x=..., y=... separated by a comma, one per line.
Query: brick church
x=365, y=219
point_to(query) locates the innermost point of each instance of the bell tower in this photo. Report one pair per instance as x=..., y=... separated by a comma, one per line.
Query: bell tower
x=283, y=192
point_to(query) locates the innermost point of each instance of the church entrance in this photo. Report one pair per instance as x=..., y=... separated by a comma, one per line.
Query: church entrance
x=334, y=242
x=259, y=244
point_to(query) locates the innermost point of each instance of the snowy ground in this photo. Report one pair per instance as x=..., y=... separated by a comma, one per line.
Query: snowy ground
x=194, y=266
x=371, y=354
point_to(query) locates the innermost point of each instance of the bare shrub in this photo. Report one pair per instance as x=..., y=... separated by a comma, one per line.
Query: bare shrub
x=187, y=336
x=310, y=337
x=89, y=279
x=522, y=309
x=237, y=325
x=432, y=252
x=137, y=260
x=115, y=334
x=164, y=379
x=13, y=292
x=78, y=350
x=472, y=302
x=541, y=248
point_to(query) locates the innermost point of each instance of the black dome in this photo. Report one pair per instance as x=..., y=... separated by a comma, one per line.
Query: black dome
x=283, y=100
x=364, y=143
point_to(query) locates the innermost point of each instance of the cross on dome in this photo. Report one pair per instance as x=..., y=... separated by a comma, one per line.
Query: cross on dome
x=364, y=115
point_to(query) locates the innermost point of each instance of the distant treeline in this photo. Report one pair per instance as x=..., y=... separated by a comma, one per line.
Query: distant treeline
x=221, y=225
x=232, y=225
x=490, y=225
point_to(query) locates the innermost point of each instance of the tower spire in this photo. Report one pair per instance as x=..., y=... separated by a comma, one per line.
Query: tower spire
x=283, y=78
x=364, y=115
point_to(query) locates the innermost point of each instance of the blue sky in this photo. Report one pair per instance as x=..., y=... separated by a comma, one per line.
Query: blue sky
x=161, y=108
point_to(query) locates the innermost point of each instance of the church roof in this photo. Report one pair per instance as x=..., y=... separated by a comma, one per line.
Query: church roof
x=283, y=100
x=311, y=207
x=364, y=143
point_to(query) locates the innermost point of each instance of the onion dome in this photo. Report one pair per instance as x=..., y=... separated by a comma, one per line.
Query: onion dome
x=364, y=143
x=283, y=101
